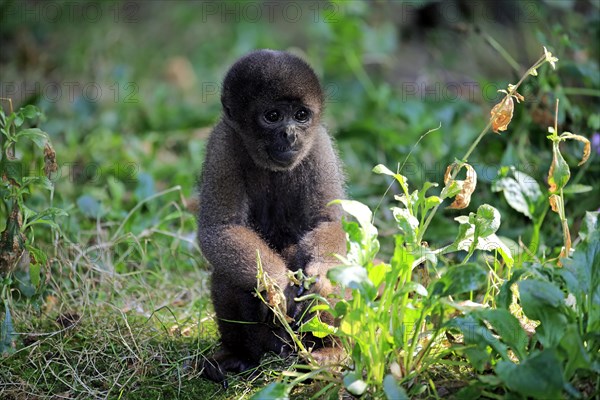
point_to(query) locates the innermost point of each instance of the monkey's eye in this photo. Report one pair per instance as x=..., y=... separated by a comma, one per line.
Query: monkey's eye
x=302, y=115
x=272, y=116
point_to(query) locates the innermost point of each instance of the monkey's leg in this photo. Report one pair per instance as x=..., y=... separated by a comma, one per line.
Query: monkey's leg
x=246, y=332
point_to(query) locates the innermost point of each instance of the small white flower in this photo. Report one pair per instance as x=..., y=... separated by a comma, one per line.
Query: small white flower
x=550, y=58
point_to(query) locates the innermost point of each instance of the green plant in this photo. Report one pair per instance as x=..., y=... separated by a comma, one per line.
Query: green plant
x=392, y=325
x=21, y=260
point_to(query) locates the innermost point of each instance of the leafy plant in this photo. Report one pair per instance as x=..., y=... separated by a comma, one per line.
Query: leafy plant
x=21, y=261
x=393, y=323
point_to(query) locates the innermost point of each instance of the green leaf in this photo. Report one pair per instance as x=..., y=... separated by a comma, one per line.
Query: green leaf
x=354, y=384
x=522, y=192
x=361, y=212
x=578, y=358
x=38, y=258
x=46, y=217
x=505, y=297
x=461, y=279
x=12, y=169
x=30, y=111
x=577, y=188
x=559, y=170
x=382, y=169
x=509, y=329
x=581, y=271
x=377, y=273
x=273, y=391
x=407, y=224
x=477, y=338
x=591, y=225
x=392, y=389
x=36, y=135
x=318, y=328
x=539, y=376
x=350, y=276
x=486, y=221
x=542, y=300
x=40, y=181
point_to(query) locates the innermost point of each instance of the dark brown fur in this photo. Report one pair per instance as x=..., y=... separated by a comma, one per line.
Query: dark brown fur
x=265, y=186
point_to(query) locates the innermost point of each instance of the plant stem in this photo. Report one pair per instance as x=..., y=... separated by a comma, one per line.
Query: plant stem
x=465, y=158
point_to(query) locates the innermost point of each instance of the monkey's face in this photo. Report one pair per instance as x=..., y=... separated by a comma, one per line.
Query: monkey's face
x=273, y=100
x=283, y=134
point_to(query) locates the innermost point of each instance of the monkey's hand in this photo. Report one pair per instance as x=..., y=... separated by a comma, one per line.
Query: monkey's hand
x=317, y=273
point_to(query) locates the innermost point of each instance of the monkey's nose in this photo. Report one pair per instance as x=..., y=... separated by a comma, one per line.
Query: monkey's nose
x=290, y=135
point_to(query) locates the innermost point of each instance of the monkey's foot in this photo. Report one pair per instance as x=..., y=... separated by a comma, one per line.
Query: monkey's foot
x=222, y=362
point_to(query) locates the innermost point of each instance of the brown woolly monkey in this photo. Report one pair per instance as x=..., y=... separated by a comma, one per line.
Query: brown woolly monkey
x=270, y=171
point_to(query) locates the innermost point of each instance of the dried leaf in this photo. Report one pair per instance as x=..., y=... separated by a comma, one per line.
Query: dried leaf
x=587, y=146
x=502, y=114
x=554, y=202
x=467, y=187
x=50, y=165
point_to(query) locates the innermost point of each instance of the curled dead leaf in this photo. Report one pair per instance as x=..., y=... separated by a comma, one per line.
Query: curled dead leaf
x=502, y=114
x=587, y=146
x=554, y=202
x=50, y=165
x=467, y=187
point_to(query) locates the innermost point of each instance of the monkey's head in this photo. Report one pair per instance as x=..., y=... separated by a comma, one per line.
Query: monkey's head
x=273, y=100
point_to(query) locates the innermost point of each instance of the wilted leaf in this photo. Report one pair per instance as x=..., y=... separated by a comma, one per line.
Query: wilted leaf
x=587, y=146
x=467, y=187
x=276, y=299
x=12, y=241
x=502, y=114
x=50, y=164
x=555, y=202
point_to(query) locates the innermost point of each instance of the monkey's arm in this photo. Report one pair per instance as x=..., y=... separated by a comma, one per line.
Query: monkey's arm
x=231, y=250
x=226, y=241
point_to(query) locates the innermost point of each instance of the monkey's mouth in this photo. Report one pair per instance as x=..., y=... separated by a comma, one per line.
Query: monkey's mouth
x=282, y=155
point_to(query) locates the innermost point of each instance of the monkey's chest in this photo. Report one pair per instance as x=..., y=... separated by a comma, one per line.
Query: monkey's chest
x=281, y=214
